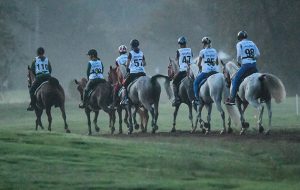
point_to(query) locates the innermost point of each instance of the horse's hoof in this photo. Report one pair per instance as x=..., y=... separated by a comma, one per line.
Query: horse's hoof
x=136, y=126
x=193, y=131
x=229, y=130
x=267, y=132
x=173, y=130
x=242, y=132
x=207, y=126
x=112, y=130
x=120, y=131
x=89, y=134
x=68, y=131
x=207, y=132
x=49, y=129
x=130, y=130
x=261, y=129
x=153, y=131
x=245, y=125
x=97, y=129
x=222, y=132
x=203, y=131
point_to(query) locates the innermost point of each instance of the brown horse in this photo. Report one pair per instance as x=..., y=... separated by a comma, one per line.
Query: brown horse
x=49, y=94
x=116, y=81
x=100, y=99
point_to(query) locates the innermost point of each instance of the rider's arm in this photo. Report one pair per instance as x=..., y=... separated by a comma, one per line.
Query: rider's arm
x=144, y=61
x=257, y=53
x=88, y=71
x=32, y=68
x=49, y=67
x=128, y=60
x=238, y=53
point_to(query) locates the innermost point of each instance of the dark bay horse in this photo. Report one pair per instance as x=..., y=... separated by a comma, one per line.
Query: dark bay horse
x=49, y=94
x=99, y=99
x=116, y=81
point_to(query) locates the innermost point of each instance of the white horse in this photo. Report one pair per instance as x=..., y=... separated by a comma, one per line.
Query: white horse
x=254, y=90
x=212, y=91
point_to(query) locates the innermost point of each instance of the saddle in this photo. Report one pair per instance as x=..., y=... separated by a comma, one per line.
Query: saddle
x=38, y=88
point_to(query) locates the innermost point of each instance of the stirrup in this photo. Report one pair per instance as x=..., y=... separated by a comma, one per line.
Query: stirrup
x=175, y=102
x=30, y=108
x=230, y=101
x=81, y=105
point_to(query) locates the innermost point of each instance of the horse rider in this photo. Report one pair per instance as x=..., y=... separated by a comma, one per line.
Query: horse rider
x=94, y=75
x=42, y=69
x=208, y=64
x=247, y=53
x=121, y=60
x=135, y=66
x=184, y=56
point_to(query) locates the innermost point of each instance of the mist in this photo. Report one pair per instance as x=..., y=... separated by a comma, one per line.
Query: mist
x=68, y=29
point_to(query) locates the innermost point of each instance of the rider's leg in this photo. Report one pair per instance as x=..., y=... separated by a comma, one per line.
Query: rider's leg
x=32, y=90
x=85, y=93
x=175, y=90
x=130, y=78
x=202, y=76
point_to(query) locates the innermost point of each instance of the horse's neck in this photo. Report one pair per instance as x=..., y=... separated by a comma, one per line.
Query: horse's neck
x=122, y=70
x=175, y=66
x=194, y=69
x=231, y=69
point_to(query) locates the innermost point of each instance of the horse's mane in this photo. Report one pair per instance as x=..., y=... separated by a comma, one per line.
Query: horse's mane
x=231, y=68
x=194, y=70
x=123, y=70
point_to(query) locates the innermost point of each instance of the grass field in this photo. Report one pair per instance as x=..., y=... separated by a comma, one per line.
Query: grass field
x=32, y=159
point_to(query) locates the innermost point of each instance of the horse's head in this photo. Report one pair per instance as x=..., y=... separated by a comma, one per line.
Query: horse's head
x=30, y=77
x=81, y=85
x=193, y=71
x=113, y=75
x=229, y=69
x=172, y=69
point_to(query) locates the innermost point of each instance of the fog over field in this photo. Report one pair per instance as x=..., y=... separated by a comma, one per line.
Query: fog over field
x=68, y=29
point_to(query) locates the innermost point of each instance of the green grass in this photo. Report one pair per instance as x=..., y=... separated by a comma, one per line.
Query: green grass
x=55, y=160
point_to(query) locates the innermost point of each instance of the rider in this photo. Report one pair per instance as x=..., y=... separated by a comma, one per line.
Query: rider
x=247, y=53
x=135, y=66
x=184, y=56
x=94, y=75
x=41, y=68
x=208, y=60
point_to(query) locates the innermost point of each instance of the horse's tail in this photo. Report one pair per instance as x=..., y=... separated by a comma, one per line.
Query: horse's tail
x=274, y=86
x=232, y=110
x=53, y=81
x=166, y=83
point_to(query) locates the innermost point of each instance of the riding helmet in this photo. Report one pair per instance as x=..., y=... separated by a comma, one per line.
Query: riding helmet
x=134, y=43
x=122, y=49
x=92, y=52
x=206, y=40
x=182, y=40
x=242, y=35
x=40, y=51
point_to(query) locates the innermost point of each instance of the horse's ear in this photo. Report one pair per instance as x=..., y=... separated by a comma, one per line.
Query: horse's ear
x=28, y=67
x=110, y=67
x=170, y=59
x=76, y=81
x=222, y=62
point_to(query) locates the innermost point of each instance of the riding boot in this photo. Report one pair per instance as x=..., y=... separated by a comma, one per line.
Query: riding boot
x=176, y=100
x=32, y=103
x=230, y=101
x=124, y=100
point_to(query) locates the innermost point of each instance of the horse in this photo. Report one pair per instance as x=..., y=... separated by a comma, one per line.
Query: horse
x=256, y=89
x=185, y=92
x=116, y=81
x=213, y=90
x=99, y=99
x=144, y=92
x=49, y=93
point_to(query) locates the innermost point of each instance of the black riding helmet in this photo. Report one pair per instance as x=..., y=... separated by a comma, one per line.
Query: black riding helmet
x=134, y=43
x=92, y=52
x=206, y=40
x=182, y=40
x=40, y=51
x=242, y=35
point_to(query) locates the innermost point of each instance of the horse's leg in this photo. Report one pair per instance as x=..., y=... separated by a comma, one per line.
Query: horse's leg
x=145, y=120
x=119, y=110
x=156, y=113
x=130, y=127
x=260, y=109
x=63, y=113
x=207, y=125
x=198, y=118
x=112, y=118
x=245, y=125
x=268, y=103
x=220, y=109
x=229, y=125
x=136, y=125
x=88, y=116
x=38, y=121
x=174, y=118
x=191, y=116
x=97, y=129
x=48, y=112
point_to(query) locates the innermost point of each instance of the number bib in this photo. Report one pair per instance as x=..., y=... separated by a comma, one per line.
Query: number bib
x=96, y=70
x=41, y=67
x=136, y=62
x=185, y=56
x=247, y=51
x=209, y=58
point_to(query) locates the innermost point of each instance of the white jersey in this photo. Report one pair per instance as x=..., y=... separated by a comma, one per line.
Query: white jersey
x=136, y=62
x=209, y=59
x=247, y=52
x=96, y=70
x=184, y=59
x=41, y=67
x=122, y=59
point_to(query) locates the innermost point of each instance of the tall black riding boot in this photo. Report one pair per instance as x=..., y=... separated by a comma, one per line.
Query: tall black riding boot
x=32, y=103
x=176, y=100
